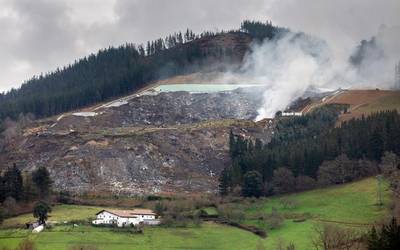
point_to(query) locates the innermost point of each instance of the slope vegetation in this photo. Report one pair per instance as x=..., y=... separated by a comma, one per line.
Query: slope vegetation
x=118, y=71
x=352, y=205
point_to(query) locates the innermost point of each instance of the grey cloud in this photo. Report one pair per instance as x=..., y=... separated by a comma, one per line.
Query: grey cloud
x=341, y=22
x=46, y=32
x=40, y=35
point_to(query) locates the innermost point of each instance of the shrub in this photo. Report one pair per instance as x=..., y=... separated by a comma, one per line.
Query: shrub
x=229, y=212
x=329, y=237
x=274, y=220
x=10, y=206
x=175, y=221
x=282, y=246
x=289, y=203
x=159, y=208
x=154, y=198
x=64, y=197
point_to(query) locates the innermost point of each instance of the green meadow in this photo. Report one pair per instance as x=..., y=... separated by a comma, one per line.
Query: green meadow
x=349, y=205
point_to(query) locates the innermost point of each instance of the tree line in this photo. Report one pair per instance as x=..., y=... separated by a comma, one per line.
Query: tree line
x=309, y=150
x=261, y=30
x=116, y=71
x=21, y=188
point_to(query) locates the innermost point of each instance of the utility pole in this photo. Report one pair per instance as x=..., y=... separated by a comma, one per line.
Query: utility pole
x=397, y=76
x=379, y=190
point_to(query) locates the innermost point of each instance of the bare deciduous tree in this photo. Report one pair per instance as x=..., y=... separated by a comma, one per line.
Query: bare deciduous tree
x=304, y=183
x=390, y=167
x=283, y=181
x=329, y=237
x=11, y=130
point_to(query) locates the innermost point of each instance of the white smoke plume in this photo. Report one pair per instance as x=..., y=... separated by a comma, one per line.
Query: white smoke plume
x=293, y=63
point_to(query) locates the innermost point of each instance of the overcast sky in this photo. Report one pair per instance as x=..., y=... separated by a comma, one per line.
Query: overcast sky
x=39, y=35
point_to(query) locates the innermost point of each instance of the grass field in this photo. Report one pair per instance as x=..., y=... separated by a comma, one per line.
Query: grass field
x=383, y=103
x=207, y=236
x=354, y=202
x=59, y=214
x=349, y=203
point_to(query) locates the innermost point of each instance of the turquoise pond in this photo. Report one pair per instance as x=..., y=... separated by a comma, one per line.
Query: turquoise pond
x=201, y=88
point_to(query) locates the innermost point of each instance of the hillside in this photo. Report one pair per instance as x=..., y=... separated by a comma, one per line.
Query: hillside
x=361, y=102
x=178, y=125
x=365, y=102
x=134, y=145
x=350, y=206
x=117, y=71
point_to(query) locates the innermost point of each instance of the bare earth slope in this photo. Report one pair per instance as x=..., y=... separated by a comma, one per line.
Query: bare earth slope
x=364, y=102
x=156, y=143
x=361, y=102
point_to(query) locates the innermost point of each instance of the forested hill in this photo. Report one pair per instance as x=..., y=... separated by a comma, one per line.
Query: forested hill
x=119, y=70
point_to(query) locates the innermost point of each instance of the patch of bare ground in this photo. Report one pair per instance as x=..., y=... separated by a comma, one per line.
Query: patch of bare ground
x=361, y=102
x=365, y=102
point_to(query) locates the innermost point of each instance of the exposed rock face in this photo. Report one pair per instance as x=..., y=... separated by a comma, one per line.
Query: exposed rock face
x=170, y=142
x=171, y=108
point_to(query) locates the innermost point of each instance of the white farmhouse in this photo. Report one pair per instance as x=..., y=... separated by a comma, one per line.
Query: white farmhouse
x=123, y=218
x=292, y=113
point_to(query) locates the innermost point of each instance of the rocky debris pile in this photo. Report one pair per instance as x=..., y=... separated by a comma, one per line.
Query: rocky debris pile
x=163, y=160
x=171, y=108
x=164, y=143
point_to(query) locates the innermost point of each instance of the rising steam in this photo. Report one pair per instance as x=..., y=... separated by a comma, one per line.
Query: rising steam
x=293, y=63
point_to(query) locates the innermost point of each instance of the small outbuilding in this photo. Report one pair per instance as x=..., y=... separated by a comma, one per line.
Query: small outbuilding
x=123, y=218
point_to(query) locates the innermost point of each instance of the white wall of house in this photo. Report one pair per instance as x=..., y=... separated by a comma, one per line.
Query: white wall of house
x=146, y=217
x=292, y=114
x=106, y=218
x=109, y=218
x=123, y=221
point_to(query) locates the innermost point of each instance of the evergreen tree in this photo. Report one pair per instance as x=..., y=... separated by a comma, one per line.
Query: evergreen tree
x=376, y=145
x=1, y=215
x=109, y=73
x=386, y=239
x=187, y=35
x=142, y=52
x=148, y=48
x=309, y=146
x=179, y=38
x=12, y=183
x=41, y=178
x=41, y=211
x=224, y=182
x=30, y=191
x=2, y=189
x=232, y=145
x=252, y=184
